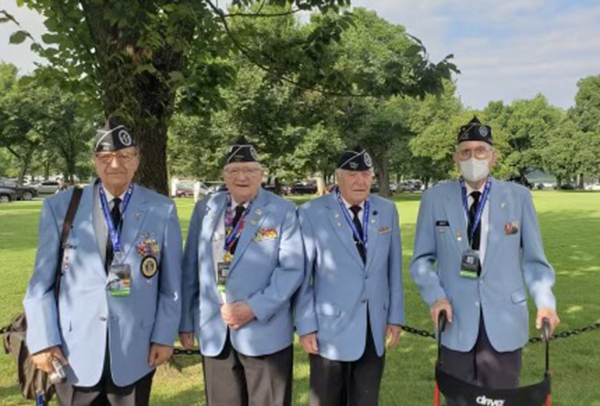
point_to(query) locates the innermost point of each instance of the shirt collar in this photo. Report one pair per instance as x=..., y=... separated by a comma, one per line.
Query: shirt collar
x=234, y=204
x=471, y=190
x=110, y=197
x=348, y=205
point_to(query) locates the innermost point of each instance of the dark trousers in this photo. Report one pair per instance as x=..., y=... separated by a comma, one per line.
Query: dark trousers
x=106, y=392
x=339, y=383
x=234, y=379
x=483, y=365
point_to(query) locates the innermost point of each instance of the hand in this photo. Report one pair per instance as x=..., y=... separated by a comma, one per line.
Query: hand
x=236, y=315
x=309, y=343
x=550, y=314
x=43, y=359
x=392, y=335
x=159, y=354
x=187, y=340
x=437, y=307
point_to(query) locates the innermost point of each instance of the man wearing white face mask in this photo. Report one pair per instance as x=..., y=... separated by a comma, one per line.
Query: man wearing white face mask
x=477, y=247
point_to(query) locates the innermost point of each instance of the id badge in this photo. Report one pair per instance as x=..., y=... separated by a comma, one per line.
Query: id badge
x=119, y=280
x=469, y=267
x=222, y=272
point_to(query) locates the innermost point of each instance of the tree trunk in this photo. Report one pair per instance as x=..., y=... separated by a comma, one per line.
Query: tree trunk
x=26, y=161
x=321, y=185
x=384, y=176
x=278, y=186
x=580, y=181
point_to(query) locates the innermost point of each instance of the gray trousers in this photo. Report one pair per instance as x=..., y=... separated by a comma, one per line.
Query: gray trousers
x=234, y=379
x=483, y=365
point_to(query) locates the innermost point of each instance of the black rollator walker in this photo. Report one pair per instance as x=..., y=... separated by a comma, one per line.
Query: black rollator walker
x=468, y=394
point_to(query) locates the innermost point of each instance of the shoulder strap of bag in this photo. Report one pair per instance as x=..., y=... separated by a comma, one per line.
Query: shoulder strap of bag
x=66, y=229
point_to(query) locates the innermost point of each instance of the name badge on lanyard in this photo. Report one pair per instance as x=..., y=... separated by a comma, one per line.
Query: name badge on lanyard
x=119, y=273
x=471, y=263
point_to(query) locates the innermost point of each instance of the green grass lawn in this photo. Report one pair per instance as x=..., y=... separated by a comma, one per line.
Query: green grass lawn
x=570, y=224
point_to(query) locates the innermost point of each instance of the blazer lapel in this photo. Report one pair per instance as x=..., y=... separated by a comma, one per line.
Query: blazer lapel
x=133, y=219
x=457, y=218
x=214, y=212
x=342, y=229
x=88, y=228
x=499, y=210
x=373, y=231
x=254, y=219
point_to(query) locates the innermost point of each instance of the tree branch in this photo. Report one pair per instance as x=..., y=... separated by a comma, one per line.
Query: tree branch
x=246, y=53
x=259, y=14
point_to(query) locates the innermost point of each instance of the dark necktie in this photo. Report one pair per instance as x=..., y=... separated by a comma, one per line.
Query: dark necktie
x=359, y=243
x=477, y=234
x=239, y=210
x=115, y=215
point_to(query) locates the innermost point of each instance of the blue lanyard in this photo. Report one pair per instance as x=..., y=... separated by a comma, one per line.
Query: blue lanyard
x=232, y=236
x=114, y=234
x=365, y=237
x=480, y=207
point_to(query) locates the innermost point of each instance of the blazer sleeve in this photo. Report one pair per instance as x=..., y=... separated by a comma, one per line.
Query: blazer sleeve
x=40, y=304
x=537, y=272
x=190, y=291
x=422, y=268
x=169, y=296
x=396, y=309
x=304, y=300
x=287, y=276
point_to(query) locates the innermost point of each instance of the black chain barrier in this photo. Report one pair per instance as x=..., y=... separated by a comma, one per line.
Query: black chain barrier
x=427, y=334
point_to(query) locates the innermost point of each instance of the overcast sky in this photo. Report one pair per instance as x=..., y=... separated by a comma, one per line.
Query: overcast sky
x=506, y=50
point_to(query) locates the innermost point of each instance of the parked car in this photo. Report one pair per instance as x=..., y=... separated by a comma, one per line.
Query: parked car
x=303, y=189
x=22, y=192
x=47, y=187
x=7, y=194
x=593, y=186
x=408, y=186
x=184, y=190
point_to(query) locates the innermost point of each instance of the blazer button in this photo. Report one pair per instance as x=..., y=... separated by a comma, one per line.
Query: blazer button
x=102, y=318
x=363, y=301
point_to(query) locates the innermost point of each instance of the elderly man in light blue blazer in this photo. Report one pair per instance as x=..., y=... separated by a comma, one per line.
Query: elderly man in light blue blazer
x=243, y=262
x=119, y=305
x=477, y=249
x=352, y=295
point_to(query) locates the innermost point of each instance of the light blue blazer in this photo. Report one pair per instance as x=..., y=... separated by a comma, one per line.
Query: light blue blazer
x=87, y=311
x=512, y=261
x=338, y=288
x=265, y=273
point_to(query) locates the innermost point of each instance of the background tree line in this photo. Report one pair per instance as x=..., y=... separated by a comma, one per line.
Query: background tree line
x=301, y=90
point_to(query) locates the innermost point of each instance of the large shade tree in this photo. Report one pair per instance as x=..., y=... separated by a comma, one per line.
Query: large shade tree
x=142, y=59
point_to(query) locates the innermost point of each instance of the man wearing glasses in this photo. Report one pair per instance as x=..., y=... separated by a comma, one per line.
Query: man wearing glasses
x=477, y=247
x=119, y=305
x=243, y=261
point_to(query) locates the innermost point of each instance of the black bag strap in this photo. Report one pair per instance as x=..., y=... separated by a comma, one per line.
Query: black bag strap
x=64, y=236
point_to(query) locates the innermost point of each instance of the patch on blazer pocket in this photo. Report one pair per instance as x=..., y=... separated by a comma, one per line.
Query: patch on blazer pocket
x=265, y=234
x=442, y=223
x=384, y=230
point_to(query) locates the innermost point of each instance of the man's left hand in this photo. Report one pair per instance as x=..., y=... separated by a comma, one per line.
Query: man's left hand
x=392, y=335
x=550, y=314
x=236, y=315
x=159, y=354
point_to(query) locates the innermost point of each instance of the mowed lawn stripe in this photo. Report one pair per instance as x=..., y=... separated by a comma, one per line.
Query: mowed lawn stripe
x=570, y=224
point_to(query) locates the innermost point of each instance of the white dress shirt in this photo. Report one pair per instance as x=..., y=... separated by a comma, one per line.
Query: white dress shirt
x=360, y=213
x=485, y=219
x=99, y=221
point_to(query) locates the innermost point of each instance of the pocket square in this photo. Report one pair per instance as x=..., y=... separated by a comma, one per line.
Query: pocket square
x=384, y=230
